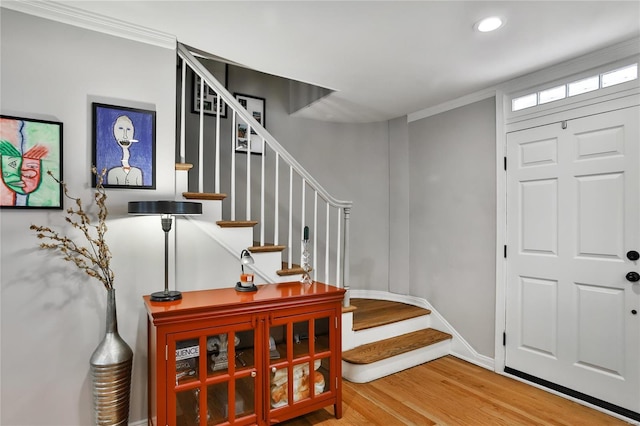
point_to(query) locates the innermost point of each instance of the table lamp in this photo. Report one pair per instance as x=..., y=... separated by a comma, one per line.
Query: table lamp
x=167, y=209
x=246, y=279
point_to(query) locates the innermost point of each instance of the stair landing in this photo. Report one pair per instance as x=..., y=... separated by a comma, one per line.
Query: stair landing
x=371, y=313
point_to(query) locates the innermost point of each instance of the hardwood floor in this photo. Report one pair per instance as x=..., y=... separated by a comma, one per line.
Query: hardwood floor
x=449, y=391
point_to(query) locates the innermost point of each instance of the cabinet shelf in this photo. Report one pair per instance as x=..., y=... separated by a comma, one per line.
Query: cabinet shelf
x=210, y=359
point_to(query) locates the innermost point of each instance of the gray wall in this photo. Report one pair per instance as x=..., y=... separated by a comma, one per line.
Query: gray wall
x=399, y=202
x=452, y=172
x=52, y=316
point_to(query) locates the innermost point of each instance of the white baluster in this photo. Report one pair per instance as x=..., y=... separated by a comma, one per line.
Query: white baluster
x=262, y=179
x=326, y=242
x=315, y=233
x=338, y=278
x=302, y=213
x=183, y=112
x=290, y=241
x=216, y=175
x=201, y=140
x=234, y=134
x=276, y=225
x=248, y=198
x=345, y=269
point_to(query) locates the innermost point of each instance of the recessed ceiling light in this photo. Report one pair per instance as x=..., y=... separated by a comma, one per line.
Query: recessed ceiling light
x=489, y=24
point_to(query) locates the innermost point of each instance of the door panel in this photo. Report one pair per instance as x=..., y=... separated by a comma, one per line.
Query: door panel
x=601, y=201
x=572, y=215
x=539, y=216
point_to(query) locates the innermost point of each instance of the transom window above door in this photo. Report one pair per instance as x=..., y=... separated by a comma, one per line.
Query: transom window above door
x=576, y=87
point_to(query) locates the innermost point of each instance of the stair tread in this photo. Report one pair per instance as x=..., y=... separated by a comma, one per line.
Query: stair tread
x=184, y=166
x=374, y=313
x=203, y=196
x=290, y=271
x=267, y=248
x=383, y=349
x=236, y=223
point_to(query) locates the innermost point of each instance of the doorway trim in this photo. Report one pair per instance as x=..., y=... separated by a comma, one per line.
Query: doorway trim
x=627, y=95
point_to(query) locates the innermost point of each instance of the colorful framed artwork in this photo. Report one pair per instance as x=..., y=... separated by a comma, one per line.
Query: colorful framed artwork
x=124, y=144
x=209, y=97
x=30, y=149
x=255, y=106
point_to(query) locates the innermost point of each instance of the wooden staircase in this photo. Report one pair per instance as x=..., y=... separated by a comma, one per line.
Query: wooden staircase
x=285, y=271
x=388, y=337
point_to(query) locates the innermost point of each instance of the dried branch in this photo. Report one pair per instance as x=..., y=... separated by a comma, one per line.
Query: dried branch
x=95, y=258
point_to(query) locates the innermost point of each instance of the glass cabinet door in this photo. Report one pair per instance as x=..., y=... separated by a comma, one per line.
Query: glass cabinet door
x=215, y=377
x=299, y=359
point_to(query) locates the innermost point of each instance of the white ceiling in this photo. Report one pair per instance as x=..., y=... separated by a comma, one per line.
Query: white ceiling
x=385, y=59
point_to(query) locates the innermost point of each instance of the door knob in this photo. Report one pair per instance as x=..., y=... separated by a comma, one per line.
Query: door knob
x=633, y=277
x=633, y=255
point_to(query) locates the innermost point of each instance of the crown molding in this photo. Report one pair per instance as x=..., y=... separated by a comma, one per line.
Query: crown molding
x=91, y=21
x=585, y=62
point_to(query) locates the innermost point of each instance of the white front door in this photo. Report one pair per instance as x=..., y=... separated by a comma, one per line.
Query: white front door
x=573, y=223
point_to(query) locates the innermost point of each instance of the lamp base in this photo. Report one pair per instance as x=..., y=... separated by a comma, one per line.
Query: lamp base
x=166, y=296
x=240, y=287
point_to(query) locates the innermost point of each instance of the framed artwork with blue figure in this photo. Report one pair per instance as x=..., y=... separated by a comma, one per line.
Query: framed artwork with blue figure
x=30, y=159
x=124, y=144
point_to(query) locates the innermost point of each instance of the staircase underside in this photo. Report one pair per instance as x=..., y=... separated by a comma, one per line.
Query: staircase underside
x=392, y=337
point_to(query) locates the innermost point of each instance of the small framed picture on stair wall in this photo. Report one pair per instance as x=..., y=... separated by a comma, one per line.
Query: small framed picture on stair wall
x=255, y=106
x=208, y=97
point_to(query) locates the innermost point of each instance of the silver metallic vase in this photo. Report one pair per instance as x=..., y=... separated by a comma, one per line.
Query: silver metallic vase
x=111, y=364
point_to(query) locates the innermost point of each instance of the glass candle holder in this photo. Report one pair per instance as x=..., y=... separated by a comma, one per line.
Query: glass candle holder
x=306, y=263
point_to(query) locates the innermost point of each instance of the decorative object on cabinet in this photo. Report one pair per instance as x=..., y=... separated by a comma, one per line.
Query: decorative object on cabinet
x=112, y=359
x=305, y=258
x=28, y=147
x=246, y=279
x=124, y=143
x=256, y=107
x=167, y=209
x=209, y=97
x=262, y=390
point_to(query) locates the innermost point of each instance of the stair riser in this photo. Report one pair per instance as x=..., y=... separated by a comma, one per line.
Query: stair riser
x=265, y=261
x=364, y=373
x=211, y=210
x=358, y=338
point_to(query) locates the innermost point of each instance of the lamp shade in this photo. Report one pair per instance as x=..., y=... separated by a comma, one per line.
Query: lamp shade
x=179, y=208
x=246, y=258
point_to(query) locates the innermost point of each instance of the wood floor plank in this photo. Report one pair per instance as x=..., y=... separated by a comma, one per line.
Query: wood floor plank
x=451, y=392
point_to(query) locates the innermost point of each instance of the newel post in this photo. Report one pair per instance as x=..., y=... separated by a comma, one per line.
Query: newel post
x=346, y=261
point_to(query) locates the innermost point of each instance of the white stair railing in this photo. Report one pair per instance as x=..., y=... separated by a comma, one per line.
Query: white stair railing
x=330, y=234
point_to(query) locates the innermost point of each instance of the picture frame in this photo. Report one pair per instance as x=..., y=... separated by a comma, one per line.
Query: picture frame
x=210, y=99
x=29, y=150
x=124, y=144
x=256, y=107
